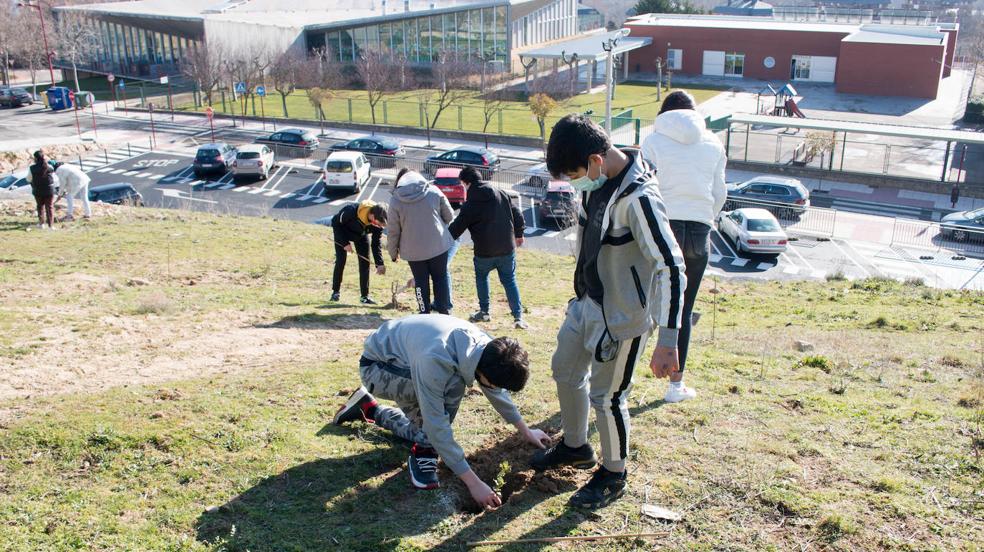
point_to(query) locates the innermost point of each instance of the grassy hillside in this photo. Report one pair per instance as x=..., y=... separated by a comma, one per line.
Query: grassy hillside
x=168, y=379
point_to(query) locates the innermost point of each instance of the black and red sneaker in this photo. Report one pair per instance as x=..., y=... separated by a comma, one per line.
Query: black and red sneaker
x=423, y=467
x=356, y=408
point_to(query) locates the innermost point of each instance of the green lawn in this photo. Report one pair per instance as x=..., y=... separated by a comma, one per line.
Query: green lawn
x=403, y=109
x=169, y=378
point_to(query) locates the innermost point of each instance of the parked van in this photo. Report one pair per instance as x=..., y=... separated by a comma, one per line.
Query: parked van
x=346, y=169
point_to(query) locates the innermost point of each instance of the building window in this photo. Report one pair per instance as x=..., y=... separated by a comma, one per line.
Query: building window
x=734, y=64
x=800, y=69
x=674, y=59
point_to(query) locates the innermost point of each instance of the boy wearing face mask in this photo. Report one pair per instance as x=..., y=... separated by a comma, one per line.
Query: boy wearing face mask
x=629, y=280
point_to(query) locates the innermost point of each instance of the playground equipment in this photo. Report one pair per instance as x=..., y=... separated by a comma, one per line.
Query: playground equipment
x=784, y=102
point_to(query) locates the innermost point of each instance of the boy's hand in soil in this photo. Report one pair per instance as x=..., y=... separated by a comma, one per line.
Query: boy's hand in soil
x=538, y=438
x=665, y=362
x=480, y=492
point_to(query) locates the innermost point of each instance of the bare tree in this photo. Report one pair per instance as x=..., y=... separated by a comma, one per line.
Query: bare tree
x=452, y=80
x=494, y=98
x=248, y=65
x=285, y=72
x=29, y=50
x=8, y=33
x=319, y=77
x=380, y=75
x=77, y=41
x=204, y=66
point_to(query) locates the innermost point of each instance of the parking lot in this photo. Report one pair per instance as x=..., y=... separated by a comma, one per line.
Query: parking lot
x=862, y=245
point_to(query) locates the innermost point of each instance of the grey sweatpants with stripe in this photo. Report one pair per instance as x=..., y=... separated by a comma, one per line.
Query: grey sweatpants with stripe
x=593, y=370
x=392, y=383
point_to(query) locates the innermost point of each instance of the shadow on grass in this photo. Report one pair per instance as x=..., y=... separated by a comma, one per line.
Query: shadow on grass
x=368, y=321
x=17, y=226
x=333, y=503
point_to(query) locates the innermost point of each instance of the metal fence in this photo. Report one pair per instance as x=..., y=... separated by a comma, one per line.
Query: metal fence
x=803, y=220
x=938, y=236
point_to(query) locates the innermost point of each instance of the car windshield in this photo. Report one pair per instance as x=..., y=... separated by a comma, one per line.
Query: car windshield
x=7, y=181
x=249, y=155
x=445, y=181
x=389, y=145
x=208, y=153
x=762, y=225
x=308, y=137
x=338, y=166
x=976, y=213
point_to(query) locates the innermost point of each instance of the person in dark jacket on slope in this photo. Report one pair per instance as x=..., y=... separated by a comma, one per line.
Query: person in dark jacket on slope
x=43, y=189
x=353, y=225
x=496, y=227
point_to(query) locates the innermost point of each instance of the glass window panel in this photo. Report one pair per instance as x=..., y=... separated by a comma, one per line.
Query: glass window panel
x=359, y=38
x=501, y=28
x=385, y=43
x=450, y=33
x=437, y=36
x=413, y=44
x=423, y=27
x=372, y=38
x=398, y=42
x=461, y=49
x=348, y=51
x=334, y=48
x=476, y=33
x=488, y=32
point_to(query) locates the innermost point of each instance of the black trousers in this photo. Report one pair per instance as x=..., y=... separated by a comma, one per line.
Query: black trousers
x=433, y=270
x=362, y=253
x=693, y=238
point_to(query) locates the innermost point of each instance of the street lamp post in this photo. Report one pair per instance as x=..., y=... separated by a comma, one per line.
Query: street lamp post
x=609, y=47
x=44, y=35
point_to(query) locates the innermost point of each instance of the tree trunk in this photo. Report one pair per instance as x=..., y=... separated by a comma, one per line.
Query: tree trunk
x=75, y=75
x=34, y=77
x=283, y=98
x=6, y=68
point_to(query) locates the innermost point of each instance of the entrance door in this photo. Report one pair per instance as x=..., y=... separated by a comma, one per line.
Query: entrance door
x=714, y=63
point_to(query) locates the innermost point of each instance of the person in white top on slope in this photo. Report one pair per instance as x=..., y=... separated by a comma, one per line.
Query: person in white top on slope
x=690, y=161
x=73, y=181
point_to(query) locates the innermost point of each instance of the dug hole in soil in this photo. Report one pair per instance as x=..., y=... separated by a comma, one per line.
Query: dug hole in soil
x=503, y=464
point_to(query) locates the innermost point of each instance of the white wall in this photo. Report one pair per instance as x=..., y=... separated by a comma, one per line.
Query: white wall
x=235, y=35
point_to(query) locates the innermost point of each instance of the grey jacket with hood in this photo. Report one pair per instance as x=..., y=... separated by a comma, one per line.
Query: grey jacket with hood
x=640, y=264
x=441, y=353
x=417, y=227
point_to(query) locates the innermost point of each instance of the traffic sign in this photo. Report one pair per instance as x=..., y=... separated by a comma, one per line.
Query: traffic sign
x=261, y=91
x=240, y=88
x=110, y=77
x=163, y=80
x=209, y=112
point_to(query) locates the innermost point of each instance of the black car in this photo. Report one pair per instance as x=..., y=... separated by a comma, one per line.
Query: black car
x=559, y=202
x=291, y=142
x=381, y=152
x=15, y=97
x=482, y=159
x=214, y=158
x=121, y=193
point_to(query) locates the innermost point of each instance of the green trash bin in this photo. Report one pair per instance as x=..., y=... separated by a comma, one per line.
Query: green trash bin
x=85, y=99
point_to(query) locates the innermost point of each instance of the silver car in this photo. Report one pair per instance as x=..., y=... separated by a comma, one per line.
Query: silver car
x=753, y=230
x=253, y=160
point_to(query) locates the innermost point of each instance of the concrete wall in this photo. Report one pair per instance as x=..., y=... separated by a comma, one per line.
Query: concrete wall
x=755, y=44
x=235, y=35
x=951, y=50
x=890, y=69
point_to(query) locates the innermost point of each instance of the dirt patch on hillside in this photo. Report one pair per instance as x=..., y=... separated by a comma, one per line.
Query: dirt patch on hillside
x=503, y=463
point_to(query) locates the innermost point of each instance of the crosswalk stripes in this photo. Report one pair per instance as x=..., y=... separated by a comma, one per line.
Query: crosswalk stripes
x=320, y=200
x=155, y=176
x=337, y=202
x=227, y=186
x=241, y=189
x=287, y=195
x=271, y=193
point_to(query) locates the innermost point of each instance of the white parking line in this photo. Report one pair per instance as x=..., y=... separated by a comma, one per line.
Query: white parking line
x=791, y=270
x=144, y=175
x=730, y=252
x=256, y=190
x=310, y=190
x=242, y=189
x=847, y=255
x=130, y=173
x=227, y=177
x=551, y=234
x=738, y=261
x=802, y=258
x=104, y=170
x=156, y=176
x=373, y=192
x=211, y=185
x=271, y=193
x=766, y=266
x=320, y=200
x=271, y=179
x=715, y=258
x=118, y=171
x=338, y=202
x=227, y=186
x=287, y=195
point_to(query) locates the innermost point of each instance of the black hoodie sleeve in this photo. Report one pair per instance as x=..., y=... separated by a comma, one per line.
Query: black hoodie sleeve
x=467, y=215
x=377, y=248
x=519, y=222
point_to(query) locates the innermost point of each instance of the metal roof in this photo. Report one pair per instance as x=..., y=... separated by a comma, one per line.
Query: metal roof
x=923, y=133
x=587, y=46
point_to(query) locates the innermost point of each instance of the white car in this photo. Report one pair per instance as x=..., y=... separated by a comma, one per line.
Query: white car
x=16, y=184
x=253, y=160
x=538, y=176
x=346, y=169
x=753, y=230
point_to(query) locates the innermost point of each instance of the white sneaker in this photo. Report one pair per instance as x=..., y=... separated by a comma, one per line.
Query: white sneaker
x=679, y=393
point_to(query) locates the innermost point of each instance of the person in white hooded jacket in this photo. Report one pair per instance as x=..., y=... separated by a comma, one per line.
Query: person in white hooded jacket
x=73, y=182
x=690, y=162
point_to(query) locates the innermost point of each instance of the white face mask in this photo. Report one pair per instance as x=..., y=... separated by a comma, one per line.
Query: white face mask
x=587, y=184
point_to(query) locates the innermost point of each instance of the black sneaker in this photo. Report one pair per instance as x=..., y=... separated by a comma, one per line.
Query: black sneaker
x=480, y=316
x=423, y=468
x=582, y=458
x=335, y=297
x=603, y=489
x=365, y=300
x=355, y=408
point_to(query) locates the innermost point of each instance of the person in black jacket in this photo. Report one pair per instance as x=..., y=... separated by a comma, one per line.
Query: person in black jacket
x=496, y=227
x=352, y=225
x=43, y=188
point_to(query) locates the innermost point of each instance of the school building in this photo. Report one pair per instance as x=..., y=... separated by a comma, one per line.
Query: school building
x=881, y=59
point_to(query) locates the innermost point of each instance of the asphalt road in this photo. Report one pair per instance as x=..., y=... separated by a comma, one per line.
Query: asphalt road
x=294, y=192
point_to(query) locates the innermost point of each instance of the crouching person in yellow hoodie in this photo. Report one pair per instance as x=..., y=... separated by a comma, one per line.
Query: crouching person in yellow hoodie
x=353, y=226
